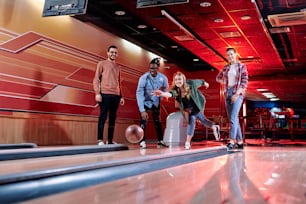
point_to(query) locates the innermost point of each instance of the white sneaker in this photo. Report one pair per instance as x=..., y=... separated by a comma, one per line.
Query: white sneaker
x=143, y=145
x=100, y=142
x=187, y=145
x=216, y=132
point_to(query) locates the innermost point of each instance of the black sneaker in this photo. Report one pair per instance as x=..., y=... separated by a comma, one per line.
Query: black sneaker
x=230, y=147
x=110, y=142
x=161, y=143
x=240, y=146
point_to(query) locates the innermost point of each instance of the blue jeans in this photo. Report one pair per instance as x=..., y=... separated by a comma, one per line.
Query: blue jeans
x=233, y=115
x=192, y=122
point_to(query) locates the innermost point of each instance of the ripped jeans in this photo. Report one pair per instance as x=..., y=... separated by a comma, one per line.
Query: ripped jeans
x=233, y=115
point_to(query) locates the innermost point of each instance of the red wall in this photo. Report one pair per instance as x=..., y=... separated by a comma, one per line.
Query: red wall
x=47, y=65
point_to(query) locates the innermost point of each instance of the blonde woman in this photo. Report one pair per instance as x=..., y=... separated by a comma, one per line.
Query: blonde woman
x=191, y=100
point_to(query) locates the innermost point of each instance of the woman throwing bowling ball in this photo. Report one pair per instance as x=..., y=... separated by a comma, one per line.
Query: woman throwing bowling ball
x=192, y=101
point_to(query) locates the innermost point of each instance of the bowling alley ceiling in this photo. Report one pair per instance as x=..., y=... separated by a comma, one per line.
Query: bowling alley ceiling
x=269, y=36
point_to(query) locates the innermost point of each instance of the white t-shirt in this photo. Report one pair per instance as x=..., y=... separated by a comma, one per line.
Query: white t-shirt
x=232, y=73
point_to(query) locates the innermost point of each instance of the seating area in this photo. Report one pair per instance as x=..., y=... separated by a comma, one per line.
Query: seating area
x=258, y=126
x=282, y=125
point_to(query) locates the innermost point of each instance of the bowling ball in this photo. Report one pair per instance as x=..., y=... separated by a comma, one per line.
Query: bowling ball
x=134, y=133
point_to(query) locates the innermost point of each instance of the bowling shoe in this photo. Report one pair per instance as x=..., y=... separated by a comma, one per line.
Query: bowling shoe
x=187, y=145
x=161, y=143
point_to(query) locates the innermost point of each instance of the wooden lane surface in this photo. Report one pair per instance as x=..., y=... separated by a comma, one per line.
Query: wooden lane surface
x=32, y=184
x=18, y=166
x=60, y=151
x=36, y=164
x=258, y=175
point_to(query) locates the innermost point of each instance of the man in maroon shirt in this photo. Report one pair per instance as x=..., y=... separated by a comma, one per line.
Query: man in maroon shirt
x=106, y=84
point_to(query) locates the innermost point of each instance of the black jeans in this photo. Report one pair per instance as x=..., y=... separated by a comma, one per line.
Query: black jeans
x=108, y=106
x=156, y=119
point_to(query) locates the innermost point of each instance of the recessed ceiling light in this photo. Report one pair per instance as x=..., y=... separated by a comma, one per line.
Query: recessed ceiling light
x=246, y=17
x=120, y=13
x=196, y=60
x=205, y=4
x=274, y=99
x=232, y=34
x=219, y=20
x=262, y=90
x=142, y=26
x=183, y=38
x=268, y=95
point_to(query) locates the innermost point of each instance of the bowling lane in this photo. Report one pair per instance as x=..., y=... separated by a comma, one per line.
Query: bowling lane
x=258, y=175
x=60, y=151
x=26, y=185
x=36, y=164
x=17, y=166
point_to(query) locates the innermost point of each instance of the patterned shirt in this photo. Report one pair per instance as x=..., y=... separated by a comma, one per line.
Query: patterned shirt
x=241, y=80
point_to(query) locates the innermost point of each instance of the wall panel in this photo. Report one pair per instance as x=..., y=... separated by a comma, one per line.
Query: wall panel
x=46, y=70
